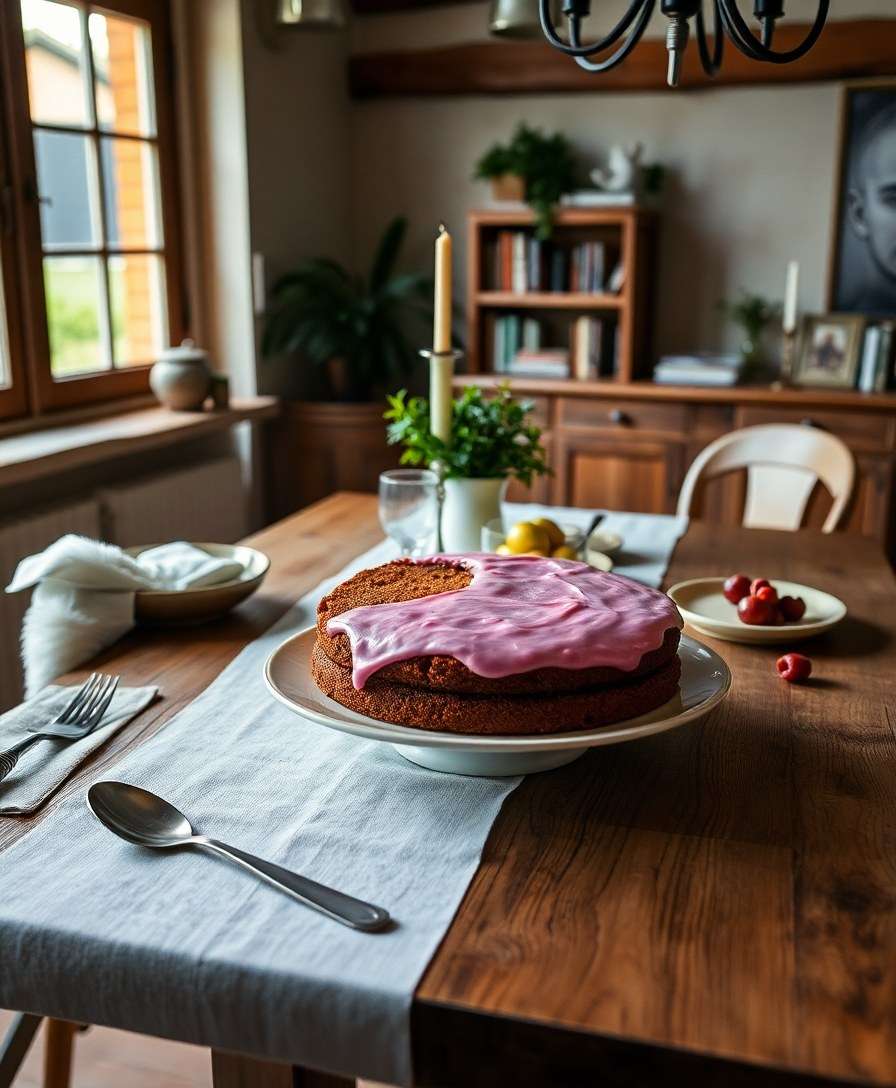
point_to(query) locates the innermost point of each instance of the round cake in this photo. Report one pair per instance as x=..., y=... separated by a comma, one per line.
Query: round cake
x=487, y=644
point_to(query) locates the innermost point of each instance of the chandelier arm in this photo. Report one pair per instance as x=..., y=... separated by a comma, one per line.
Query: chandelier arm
x=711, y=64
x=623, y=51
x=550, y=30
x=742, y=36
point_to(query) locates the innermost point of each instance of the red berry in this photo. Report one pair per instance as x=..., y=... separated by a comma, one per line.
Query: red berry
x=794, y=668
x=767, y=593
x=792, y=609
x=757, y=584
x=754, y=611
x=735, y=587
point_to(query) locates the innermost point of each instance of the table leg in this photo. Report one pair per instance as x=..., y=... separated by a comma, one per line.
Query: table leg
x=58, y=1053
x=15, y=1046
x=239, y=1071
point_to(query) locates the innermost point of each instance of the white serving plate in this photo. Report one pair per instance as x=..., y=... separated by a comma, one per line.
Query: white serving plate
x=703, y=605
x=705, y=681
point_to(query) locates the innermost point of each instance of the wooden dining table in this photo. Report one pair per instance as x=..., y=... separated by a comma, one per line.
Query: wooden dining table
x=715, y=905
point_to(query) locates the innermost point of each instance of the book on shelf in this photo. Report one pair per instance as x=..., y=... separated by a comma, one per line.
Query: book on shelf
x=701, y=368
x=593, y=349
x=521, y=262
x=877, y=366
x=598, y=198
x=541, y=363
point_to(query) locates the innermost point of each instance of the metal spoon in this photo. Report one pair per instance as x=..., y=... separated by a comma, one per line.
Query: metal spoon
x=147, y=820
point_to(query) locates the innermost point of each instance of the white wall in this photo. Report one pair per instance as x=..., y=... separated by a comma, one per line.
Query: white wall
x=751, y=169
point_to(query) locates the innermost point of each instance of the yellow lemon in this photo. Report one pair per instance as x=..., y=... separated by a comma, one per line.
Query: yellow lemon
x=526, y=537
x=564, y=552
x=502, y=549
x=556, y=536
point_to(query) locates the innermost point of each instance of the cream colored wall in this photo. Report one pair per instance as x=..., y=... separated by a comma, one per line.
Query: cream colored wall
x=751, y=170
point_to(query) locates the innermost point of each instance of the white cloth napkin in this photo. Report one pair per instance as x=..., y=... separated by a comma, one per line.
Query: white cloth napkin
x=46, y=765
x=84, y=597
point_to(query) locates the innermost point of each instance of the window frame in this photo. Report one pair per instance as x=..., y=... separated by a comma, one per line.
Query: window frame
x=44, y=392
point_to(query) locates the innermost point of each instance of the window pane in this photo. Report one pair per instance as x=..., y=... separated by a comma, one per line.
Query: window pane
x=54, y=55
x=75, y=293
x=139, y=309
x=5, y=367
x=66, y=179
x=131, y=188
x=122, y=61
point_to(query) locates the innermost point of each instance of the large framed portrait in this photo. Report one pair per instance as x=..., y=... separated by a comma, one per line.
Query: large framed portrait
x=828, y=350
x=863, y=264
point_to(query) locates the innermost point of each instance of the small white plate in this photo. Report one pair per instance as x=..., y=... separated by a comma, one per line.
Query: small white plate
x=705, y=681
x=602, y=540
x=703, y=605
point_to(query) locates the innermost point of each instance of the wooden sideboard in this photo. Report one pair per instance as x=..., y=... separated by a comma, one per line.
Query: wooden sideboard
x=628, y=446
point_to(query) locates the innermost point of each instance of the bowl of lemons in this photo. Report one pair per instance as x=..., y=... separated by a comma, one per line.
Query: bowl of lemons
x=537, y=536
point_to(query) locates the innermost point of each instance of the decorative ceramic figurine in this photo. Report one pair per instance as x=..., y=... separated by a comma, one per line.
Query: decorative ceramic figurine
x=181, y=379
x=623, y=170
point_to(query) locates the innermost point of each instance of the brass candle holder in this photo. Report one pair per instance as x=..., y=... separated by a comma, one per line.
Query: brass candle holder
x=438, y=362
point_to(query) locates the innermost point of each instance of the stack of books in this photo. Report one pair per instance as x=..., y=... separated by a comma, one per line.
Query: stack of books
x=519, y=348
x=701, y=368
x=522, y=262
x=877, y=366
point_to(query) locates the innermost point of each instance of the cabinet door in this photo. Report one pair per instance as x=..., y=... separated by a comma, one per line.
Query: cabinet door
x=618, y=473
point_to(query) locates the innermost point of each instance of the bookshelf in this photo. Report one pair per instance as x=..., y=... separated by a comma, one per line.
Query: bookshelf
x=587, y=245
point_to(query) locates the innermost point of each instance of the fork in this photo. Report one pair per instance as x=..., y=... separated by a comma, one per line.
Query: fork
x=81, y=716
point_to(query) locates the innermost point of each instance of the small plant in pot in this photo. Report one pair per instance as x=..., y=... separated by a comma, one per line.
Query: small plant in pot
x=752, y=314
x=350, y=327
x=492, y=442
x=533, y=167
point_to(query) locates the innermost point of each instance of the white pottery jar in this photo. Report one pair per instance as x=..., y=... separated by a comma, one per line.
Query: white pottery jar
x=181, y=379
x=469, y=504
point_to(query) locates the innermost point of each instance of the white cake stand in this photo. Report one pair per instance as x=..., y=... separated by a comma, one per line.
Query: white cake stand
x=705, y=680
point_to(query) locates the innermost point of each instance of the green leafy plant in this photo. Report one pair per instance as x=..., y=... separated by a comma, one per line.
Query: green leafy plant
x=752, y=313
x=546, y=164
x=329, y=315
x=489, y=435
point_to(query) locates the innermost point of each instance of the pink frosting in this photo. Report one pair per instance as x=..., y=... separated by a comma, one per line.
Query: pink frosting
x=519, y=613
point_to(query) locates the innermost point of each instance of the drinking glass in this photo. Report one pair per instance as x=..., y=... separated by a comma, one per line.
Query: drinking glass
x=409, y=508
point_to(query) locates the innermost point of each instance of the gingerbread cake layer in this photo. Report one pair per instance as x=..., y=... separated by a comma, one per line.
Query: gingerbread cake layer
x=496, y=715
x=404, y=581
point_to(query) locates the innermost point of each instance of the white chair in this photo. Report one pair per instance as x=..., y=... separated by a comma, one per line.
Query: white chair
x=783, y=462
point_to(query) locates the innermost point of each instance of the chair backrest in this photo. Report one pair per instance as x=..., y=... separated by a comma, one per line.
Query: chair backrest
x=783, y=462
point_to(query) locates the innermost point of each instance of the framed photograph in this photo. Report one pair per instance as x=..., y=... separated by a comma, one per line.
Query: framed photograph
x=863, y=261
x=829, y=350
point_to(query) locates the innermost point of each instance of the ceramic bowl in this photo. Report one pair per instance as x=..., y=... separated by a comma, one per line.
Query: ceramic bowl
x=187, y=606
x=494, y=533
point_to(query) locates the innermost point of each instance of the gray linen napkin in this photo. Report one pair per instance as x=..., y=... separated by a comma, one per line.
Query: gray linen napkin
x=46, y=765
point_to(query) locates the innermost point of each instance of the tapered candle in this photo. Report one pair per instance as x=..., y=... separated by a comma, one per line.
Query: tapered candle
x=791, y=288
x=441, y=364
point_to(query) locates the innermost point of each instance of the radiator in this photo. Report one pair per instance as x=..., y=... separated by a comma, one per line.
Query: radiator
x=204, y=502
x=19, y=538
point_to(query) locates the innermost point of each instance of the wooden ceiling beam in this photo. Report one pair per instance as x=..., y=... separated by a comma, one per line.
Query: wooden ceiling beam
x=846, y=50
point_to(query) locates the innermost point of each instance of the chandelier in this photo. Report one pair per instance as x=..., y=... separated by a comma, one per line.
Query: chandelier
x=725, y=17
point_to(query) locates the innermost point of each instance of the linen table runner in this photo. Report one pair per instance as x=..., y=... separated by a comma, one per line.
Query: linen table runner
x=182, y=945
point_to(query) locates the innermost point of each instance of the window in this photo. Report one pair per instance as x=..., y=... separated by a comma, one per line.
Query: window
x=93, y=177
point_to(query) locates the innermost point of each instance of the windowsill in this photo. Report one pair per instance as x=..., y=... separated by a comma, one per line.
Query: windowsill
x=37, y=453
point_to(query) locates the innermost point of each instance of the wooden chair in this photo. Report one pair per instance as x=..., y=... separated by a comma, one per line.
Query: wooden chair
x=57, y=1049
x=783, y=462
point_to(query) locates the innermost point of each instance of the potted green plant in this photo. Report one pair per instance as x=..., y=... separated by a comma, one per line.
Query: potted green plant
x=349, y=326
x=492, y=441
x=533, y=167
x=752, y=314
x=350, y=337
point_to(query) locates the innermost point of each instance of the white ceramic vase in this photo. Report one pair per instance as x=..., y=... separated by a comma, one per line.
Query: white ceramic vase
x=469, y=504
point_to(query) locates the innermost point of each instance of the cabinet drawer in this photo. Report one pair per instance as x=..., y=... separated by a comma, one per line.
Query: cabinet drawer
x=859, y=430
x=625, y=416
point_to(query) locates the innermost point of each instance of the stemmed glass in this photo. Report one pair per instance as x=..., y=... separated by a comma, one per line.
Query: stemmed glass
x=409, y=508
